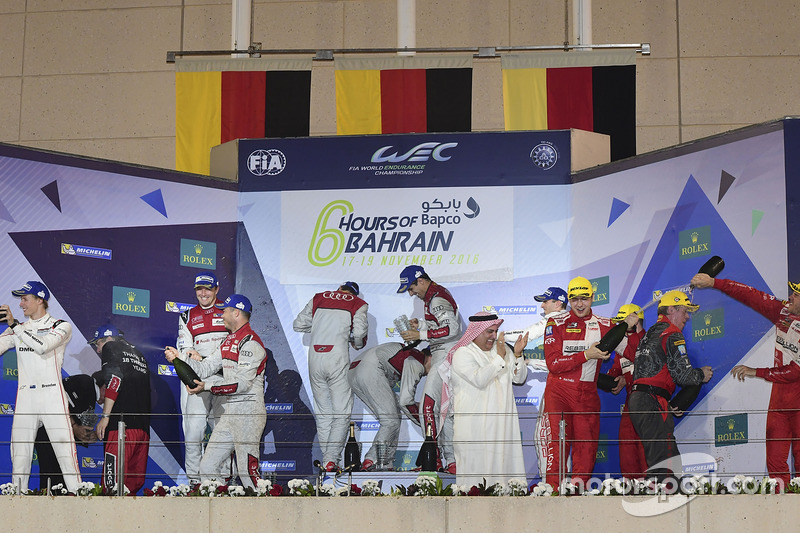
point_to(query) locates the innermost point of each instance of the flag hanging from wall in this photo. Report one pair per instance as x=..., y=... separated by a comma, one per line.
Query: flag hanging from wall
x=406, y=94
x=221, y=100
x=592, y=91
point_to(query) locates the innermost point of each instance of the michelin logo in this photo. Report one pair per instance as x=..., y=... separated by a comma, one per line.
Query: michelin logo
x=278, y=466
x=279, y=408
x=166, y=370
x=526, y=401
x=85, y=251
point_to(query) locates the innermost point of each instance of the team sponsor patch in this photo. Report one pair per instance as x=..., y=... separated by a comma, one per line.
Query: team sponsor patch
x=115, y=383
x=573, y=330
x=679, y=342
x=548, y=330
x=682, y=349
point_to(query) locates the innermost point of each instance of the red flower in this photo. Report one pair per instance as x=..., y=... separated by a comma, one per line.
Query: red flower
x=222, y=489
x=276, y=490
x=355, y=490
x=161, y=491
x=474, y=491
x=148, y=492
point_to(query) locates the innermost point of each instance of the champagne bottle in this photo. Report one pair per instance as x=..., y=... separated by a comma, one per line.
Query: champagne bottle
x=712, y=267
x=185, y=372
x=612, y=339
x=605, y=382
x=352, y=454
x=426, y=459
x=685, y=397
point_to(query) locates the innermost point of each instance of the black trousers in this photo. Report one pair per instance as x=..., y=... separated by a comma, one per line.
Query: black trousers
x=655, y=427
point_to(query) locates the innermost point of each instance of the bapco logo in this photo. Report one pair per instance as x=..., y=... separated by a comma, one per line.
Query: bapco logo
x=544, y=156
x=266, y=162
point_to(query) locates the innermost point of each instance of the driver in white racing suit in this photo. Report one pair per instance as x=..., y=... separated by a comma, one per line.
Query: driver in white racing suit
x=41, y=399
x=200, y=332
x=243, y=360
x=334, y=319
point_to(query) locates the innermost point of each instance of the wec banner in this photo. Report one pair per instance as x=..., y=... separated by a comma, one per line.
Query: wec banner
x=370, y=235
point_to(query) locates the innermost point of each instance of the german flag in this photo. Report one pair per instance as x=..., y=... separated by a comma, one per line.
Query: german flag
x=218, y=101
x=592, y=91
x=403, y=95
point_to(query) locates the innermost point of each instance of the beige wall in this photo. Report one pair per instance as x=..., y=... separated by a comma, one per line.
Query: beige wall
x=389, y=514
x=90, y=76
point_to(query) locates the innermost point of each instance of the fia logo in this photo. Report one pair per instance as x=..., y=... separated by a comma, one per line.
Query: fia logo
x=266, y=162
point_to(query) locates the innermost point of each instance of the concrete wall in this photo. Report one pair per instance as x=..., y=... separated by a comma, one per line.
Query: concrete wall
x=431, y=514
x=90, y=76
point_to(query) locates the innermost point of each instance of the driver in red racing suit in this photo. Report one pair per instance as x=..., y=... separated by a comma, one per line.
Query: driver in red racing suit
x=783, y=418
x=573, y=361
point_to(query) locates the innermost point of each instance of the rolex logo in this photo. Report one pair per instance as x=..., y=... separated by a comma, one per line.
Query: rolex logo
x=198, y=254
x=707, y=319
x=731, y=424
x=594, y=286
x=407, y=458
x=694, y=237
x=131, y=301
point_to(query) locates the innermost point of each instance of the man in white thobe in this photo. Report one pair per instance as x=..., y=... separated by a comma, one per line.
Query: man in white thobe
x=486, y=435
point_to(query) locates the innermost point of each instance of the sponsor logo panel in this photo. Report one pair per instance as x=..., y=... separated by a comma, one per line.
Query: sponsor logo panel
x=600, y=289
x=198, y=254
x=177, y=307
x=278, y=466
x=730, y=430
x=10, y=371
x=708, y=324
x=695, y=242
x=130, y=301
x=280, y=408
x=79, y=250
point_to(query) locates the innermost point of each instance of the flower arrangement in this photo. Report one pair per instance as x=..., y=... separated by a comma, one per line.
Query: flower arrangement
x=432, y=485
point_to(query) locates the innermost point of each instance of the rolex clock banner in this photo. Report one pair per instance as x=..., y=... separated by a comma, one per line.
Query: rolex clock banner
x=370, y=235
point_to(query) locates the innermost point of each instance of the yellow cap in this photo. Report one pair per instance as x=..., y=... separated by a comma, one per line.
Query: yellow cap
x=579, y=286
x=627, y=309
x=795, y=287
x=677, y=298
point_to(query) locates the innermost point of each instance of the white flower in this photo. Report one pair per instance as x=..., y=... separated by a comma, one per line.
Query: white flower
x=593, y=492
x=542, y=489
x=425, y=481
x=371, y=488
x=327, y=489
x=263, y=486
x=517, y=487
x=235, y=491
x=298, y=485
x=8, y=489
x=612, y=487
x=342, y=491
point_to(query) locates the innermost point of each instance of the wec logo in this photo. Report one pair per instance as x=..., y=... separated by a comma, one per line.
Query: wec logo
x=421, y=152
